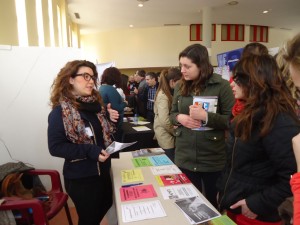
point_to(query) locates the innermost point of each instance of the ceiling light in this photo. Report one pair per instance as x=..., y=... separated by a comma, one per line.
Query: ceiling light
x=130, y=25
x=141, y=2
x=233, y=3
x=266, y=11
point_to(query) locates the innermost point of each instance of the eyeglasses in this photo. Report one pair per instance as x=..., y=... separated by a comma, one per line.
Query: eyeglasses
x=86, y=76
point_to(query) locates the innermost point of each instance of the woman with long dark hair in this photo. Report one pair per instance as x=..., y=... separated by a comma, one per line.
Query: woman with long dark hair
x=200, y=137
x=260, y=156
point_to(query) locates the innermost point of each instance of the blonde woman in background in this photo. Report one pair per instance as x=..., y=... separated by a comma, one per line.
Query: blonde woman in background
x=162, y=105
x=284, y=66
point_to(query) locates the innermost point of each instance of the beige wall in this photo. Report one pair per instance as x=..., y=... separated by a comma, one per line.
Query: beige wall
x=8, y=21
x=158, y=47
x=129, y=48
x=9, y=29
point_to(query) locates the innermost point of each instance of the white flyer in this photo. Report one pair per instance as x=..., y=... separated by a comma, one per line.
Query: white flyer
x=178, y=191
x=164, y=170
x=142, y=211
x=141, y=128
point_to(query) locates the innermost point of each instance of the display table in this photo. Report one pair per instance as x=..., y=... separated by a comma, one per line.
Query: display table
x=174, y=215
x=144, y=138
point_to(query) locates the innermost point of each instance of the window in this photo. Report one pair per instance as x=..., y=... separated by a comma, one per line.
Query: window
x=196, y=32
x=39, y=20
x=51, y=25
x=259, y=33
x=232, y=32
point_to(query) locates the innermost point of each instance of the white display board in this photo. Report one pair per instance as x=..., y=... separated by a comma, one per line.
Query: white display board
x=26, y=76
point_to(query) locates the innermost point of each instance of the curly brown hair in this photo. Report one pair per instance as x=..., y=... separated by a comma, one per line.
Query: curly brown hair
x=111, y=76
x=61, y=86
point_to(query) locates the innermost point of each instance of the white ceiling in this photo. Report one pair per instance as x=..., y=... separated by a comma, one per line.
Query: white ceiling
x=103, y=15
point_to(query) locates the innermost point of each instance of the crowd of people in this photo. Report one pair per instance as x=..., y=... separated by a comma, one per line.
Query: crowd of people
x=240, y=155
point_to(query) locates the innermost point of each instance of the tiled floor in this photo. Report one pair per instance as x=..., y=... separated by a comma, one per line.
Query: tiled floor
x=61, y=218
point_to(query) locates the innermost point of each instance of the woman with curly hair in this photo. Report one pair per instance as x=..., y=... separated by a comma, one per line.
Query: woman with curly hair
x=79, y=131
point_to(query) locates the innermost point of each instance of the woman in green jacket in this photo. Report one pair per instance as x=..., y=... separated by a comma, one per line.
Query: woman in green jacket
x=200, y=136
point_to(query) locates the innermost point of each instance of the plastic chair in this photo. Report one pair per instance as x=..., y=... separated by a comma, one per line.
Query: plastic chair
x=39, y=215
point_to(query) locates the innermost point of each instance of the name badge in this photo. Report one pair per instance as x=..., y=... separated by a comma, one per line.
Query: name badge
x=88, y=131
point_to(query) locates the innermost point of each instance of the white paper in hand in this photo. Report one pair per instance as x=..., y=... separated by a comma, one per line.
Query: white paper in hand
x=117, y=146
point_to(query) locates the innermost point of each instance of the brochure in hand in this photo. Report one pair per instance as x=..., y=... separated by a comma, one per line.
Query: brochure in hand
x=209, y=104
x=117, y=146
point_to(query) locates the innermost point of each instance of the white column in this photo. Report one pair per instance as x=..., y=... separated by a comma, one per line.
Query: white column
x=206, y=25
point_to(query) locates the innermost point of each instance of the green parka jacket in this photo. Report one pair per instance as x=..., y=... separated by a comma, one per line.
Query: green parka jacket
x=203, y=151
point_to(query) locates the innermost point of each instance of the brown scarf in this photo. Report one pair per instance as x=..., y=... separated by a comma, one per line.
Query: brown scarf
x=74, y=125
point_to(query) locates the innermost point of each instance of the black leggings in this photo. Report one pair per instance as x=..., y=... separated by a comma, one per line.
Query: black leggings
x=209, y=180
x=92, y=197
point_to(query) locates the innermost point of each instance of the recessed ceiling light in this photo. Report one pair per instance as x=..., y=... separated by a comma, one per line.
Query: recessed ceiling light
x=141, y=2
x=266, y=11
x=130, y=25
x=233, y=3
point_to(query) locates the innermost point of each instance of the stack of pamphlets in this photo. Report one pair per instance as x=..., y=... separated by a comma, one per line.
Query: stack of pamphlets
x=147, y=152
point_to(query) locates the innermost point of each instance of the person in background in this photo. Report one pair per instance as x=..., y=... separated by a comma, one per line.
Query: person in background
x=286, y=208
x=149, y=94
x=111, y=79
x=136, y=79
x=79, y=131
x=200, y=154
x=254, y=48
x=164, y=131
x=260, y=156
x=139, y=93
x=123, y=86
x=292, y=57
x=132, y=84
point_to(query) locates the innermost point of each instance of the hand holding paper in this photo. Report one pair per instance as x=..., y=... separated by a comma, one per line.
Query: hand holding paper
x=103, y=156
x=117, y=146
